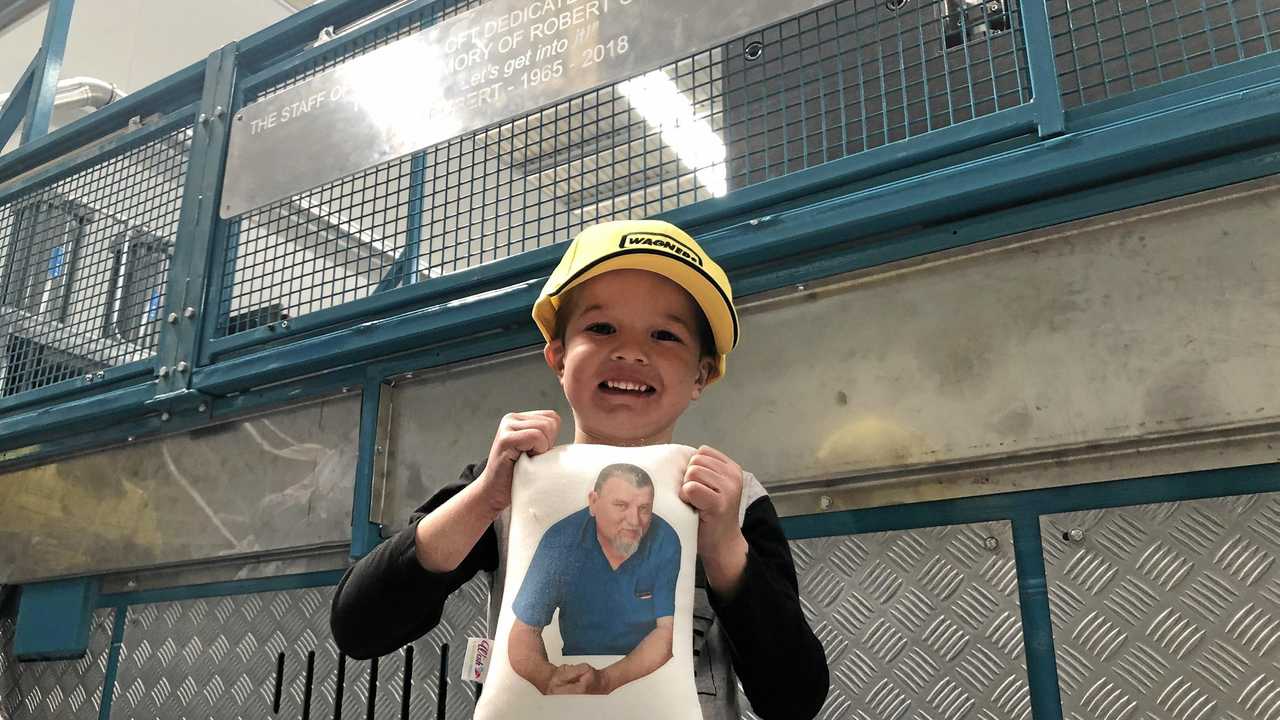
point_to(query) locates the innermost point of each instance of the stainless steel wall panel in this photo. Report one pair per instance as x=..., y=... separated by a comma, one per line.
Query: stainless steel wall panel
x=1147, y=333
x=1168, y=611
x=60, y=689
x=259, y=485
x=918, y=624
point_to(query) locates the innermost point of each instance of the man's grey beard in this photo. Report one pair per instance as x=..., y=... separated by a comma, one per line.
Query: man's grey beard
x=624, y=548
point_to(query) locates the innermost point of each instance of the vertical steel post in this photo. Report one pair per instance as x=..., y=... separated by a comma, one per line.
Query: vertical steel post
x=1037, y=626
x=15, y=106
x=113, y=662
x=366, y=535
x=1046, y=93
x=46, y=69
x=404, y=271
x=413, y=238
x=182, y=332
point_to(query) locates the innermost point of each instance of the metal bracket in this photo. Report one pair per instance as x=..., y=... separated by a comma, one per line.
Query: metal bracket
x=184, y=403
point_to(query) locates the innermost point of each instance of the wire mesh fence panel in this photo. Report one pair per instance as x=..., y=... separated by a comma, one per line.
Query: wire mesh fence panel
x=1109, y=48
x=836, y=81
x=85, y=259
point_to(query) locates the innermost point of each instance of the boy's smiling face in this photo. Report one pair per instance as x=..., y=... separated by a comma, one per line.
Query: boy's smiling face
x=630, y=361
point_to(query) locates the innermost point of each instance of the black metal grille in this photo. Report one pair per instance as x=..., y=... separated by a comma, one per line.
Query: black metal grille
x=1112, y=47
x=85, y=262
x=834, y=82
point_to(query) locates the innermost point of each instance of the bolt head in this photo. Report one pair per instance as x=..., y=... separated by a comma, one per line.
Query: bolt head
x=202, y=408
x=164, y=416
x=203, y=119
x=189, y=313
x=824, y=502
x=88, y=379
x=182, y=366
x=163, y=371
x=99, y=375
x=991, y=544
x=173, y=318
x=1075, y=535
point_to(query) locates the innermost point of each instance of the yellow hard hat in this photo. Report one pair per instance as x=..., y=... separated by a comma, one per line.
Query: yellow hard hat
x=653, y=245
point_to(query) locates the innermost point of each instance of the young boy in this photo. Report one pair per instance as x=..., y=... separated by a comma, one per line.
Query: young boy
x=638, y=321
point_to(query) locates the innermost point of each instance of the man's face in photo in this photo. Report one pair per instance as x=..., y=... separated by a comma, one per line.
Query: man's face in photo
x=623, y=513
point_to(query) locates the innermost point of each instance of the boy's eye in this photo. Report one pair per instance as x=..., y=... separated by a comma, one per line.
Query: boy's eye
x=600, y=328
x=666, y=336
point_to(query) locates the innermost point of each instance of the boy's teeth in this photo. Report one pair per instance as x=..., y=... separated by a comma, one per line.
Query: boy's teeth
x=626, y=385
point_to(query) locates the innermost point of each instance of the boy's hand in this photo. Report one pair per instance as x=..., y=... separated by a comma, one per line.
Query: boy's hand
x=532, y=432
x=713, y=486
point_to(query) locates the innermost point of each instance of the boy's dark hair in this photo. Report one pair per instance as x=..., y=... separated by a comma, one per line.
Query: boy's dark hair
x=706, y=340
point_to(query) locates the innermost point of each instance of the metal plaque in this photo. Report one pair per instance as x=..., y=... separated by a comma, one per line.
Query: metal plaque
x=499, y=60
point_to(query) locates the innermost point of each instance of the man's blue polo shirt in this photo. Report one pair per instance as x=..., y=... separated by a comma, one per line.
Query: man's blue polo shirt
x=602, y=611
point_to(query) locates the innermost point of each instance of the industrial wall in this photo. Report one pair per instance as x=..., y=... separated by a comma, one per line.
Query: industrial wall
x=1010, y=313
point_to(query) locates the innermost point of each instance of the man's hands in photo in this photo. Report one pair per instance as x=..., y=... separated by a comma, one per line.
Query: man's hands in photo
x=713, y=486
x=577, y=679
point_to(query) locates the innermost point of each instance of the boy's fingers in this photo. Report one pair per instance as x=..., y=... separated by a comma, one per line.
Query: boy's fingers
x=707, y=450
x=705, y=476
x=715, y=465
x=700, y=496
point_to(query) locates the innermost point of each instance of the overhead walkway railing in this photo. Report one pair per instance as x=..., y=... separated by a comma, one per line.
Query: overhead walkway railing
x=131, y=295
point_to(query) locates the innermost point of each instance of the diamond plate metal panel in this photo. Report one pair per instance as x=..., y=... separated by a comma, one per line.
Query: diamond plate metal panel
x=217, y=658
x=61, y=689
x=918, y=624
x=1168, y=611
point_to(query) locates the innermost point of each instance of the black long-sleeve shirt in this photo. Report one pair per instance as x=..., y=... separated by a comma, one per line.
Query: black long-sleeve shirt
x=387, y=600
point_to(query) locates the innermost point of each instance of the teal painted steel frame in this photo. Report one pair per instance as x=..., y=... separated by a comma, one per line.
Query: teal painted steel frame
x=366, y=535
x=113, y=663
x=15, y=105
x=198, y=223
x=45, y=70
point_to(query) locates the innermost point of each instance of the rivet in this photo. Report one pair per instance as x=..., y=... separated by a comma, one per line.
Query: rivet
x=131, y=438
x=164, y=417
x=163, y=371
x=189, y=312
x=378, y=450
x=991, y=544
x=99, y=375
x=182, y=366
x=173, y=318
x=203, y=119
x=801, y=287
x=202, y=408
x=824, y=502
x=88, y=379
x=219, y=111
x=1074, y=535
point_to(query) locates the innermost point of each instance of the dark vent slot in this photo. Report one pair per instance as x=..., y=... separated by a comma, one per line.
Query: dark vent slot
x=443, y=682
x=275, y=702
x=373, y=689
x=407, y=687
x=306, y=689
x=340, y=687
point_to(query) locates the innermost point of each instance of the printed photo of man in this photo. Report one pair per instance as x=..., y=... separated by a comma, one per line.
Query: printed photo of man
x=611, y=570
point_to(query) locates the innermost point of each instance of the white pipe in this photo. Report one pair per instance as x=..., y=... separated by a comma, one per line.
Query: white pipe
x=81, y=93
